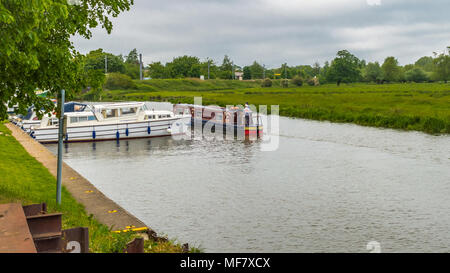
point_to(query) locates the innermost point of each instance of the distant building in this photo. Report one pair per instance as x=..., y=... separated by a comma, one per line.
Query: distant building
x=239, y=75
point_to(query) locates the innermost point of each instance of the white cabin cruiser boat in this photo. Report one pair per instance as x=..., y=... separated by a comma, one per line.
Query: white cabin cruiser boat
x=111, y=122
x=31, y=118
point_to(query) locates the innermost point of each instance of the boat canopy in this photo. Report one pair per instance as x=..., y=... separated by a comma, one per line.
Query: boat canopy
x=74, y=107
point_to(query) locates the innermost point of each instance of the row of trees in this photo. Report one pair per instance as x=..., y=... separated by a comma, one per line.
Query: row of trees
x=346, y=68
x=191, y=67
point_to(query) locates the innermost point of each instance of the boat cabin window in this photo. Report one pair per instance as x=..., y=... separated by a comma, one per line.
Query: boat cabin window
x=110, y=113
x=164, y=116
x=129, y=111
x=53, y=121
x=81, y=119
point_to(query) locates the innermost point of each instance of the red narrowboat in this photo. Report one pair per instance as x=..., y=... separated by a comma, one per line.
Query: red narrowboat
x=240, y=121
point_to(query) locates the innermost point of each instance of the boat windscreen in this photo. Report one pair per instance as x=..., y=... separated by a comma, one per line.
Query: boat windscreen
x=74, y=107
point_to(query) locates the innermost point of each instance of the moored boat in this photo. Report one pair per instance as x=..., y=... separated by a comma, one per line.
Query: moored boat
x=240, y=121
x=111, y=122
x=32, y=119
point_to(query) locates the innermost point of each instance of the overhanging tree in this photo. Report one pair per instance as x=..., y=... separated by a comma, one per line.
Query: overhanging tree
x=36, y=51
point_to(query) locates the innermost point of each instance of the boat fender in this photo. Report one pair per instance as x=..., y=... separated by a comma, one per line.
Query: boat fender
x=117, y=135
x=149, y=130
x=127, y=132
x=93, y=134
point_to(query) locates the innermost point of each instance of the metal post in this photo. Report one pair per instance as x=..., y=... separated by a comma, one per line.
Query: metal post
x=140, y=67
x=60, y=147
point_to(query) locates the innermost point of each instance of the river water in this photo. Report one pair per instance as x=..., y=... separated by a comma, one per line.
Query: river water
x=327, y=188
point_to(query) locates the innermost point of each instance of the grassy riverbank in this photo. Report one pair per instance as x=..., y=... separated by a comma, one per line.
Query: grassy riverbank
x=25, y=180
x=409, y=106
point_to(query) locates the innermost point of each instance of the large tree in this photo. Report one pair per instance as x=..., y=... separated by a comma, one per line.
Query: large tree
x=256, y=71
x=344, y=68
x=184, y=67
x=226, y=69
x=373, y=73
x=157, y=70
x=96, y=60
x=36, y=51
x=442, y=66
x=391, y=70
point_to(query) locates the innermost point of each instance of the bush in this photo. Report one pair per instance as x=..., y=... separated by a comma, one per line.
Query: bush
x=119, y=81
x=284, y=83
x=266, y=83
x=297, y=81
x=416, y=75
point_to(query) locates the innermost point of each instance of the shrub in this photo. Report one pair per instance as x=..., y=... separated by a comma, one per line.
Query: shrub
x=284, y=83
x=297, y=81
x=416, y=75
x=266, y=83
x=119, y=81
x=313, y=81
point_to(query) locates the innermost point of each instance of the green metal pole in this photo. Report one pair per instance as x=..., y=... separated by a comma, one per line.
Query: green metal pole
x=60, y=147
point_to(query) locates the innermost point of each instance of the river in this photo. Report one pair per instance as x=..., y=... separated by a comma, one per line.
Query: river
x=327, y=188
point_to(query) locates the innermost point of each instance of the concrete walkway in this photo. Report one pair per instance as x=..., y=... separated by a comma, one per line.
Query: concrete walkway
x=96, y=203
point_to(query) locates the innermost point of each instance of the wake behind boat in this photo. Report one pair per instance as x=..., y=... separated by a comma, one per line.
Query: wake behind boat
x=111, y=122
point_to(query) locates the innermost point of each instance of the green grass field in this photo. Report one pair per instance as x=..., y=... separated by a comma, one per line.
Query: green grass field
x=408, y=106
x=25, y=180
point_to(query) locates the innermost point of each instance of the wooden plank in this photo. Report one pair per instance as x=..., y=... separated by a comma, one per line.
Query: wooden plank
x=15, y=236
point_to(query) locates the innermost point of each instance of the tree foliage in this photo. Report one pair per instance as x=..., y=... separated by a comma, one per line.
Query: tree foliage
x=373, y=73
x=442, y=66
x=184, y=67
x=391, y=70
x=344, y=68
x=416, y=74
x=247, y=73
x=96, y=60
x=226, y=69
x=256, y=71
x=36, y=51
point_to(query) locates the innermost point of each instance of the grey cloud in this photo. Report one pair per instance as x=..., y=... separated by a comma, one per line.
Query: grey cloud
x=274, y=32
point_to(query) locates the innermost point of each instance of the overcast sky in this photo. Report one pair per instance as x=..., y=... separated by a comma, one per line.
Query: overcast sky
x=277, y=31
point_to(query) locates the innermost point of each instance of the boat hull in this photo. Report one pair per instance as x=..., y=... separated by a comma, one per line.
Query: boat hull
x=105, y=132
x=247, y=131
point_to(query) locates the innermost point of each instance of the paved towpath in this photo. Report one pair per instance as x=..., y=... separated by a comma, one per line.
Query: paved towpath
x=104, y=209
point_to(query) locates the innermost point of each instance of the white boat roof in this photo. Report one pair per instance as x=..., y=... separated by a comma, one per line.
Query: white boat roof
x=158, y=112
x=118, y=105
x=79, y=114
